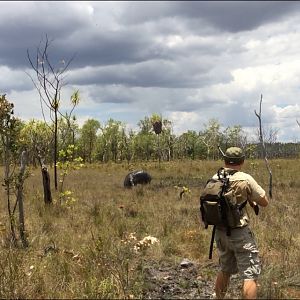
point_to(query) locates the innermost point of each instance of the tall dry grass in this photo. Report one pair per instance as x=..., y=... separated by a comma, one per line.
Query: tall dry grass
x=85, y=250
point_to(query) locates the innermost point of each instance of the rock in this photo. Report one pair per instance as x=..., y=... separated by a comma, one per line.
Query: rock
x=186, y=263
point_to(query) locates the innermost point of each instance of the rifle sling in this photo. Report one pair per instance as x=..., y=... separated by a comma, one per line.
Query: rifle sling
x=212, y=242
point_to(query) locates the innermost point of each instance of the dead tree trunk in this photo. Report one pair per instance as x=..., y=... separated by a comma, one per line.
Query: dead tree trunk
x=46, y=185
x=46, y=181
x=55, y=142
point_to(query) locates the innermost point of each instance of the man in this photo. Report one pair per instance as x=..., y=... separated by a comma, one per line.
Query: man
x=238, y=252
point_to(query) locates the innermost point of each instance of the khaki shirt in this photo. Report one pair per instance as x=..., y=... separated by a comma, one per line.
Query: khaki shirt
x=243, y=187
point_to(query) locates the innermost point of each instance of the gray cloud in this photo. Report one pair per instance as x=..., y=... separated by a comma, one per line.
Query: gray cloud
x=197, y=59
x=233, y=16
x=115, y=94
x=14, y=80
x=24, y=25
x=158, y=73
x=76, y=30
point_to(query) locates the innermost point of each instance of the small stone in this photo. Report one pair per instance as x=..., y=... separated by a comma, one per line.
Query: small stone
x=186, y=263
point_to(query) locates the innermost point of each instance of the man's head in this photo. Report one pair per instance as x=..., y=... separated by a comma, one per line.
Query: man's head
x=234, y=156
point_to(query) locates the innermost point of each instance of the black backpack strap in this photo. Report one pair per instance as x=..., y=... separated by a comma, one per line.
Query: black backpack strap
x=223, y=204
x=228, y=231
x=231, y=171
x=212, y=242
x=242, y=205
x=225, y=173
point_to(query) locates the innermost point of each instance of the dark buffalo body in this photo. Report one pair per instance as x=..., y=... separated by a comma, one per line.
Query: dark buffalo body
x=136, y=177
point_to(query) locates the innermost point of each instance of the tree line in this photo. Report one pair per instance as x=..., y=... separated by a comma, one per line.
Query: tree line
x=110, y=141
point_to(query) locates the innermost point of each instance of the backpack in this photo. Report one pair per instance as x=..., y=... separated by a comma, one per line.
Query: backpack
x=217, y=207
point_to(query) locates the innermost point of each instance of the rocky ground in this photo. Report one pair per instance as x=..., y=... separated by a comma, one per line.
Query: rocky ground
x=187, y=280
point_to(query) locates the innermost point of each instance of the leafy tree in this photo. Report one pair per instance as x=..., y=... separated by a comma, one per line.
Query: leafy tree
x=211, y=137
x=87, y=140
x=127, y=145
x=145, y=125
x=36, y=136
x=235, y=137
x=144, y=140
x=167, y=140
x=190, y=144
x=110, y=140
x=13, y=183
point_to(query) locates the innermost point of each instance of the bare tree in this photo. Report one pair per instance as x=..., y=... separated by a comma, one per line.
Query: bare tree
x=263, y=146
x=49, y=83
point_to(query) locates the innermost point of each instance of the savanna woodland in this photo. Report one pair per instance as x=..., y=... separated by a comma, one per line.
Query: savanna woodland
x=69, y=228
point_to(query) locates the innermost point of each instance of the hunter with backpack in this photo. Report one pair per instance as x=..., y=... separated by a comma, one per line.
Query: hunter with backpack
x=223, y=205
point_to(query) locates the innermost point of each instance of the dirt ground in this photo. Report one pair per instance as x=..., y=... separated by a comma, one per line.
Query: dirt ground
x=187, y=280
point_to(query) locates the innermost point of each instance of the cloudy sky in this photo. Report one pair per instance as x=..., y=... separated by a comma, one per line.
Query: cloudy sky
x=188, y=61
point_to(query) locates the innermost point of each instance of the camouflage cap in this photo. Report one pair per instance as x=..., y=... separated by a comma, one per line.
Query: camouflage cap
x=234, y=156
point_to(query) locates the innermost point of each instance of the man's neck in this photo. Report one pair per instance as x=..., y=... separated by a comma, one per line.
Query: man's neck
x=234, y=167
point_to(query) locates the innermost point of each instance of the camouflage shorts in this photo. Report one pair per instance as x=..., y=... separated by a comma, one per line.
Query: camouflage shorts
x=238, y=252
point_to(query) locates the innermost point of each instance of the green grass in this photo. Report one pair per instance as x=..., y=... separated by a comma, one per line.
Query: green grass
x=83, y=251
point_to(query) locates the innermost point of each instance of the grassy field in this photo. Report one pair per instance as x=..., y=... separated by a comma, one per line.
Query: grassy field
x=88, y=249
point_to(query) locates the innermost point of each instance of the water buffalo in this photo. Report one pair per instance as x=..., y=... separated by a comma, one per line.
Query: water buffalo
x=136, y=177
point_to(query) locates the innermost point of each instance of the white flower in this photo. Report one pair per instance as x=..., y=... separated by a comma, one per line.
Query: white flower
x=145, y=243
x=132, y=236
x=149, y=239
